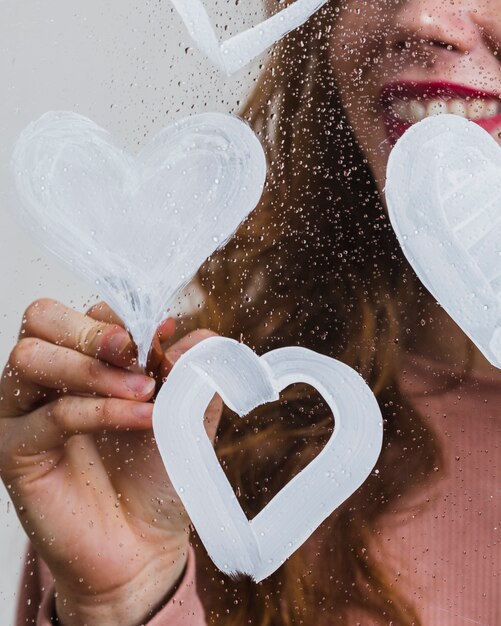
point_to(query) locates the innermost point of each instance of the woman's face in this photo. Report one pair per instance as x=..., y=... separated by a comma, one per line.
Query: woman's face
x=398, y=61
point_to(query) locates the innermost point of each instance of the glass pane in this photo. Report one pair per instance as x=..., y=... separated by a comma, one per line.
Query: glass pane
x=410, y=303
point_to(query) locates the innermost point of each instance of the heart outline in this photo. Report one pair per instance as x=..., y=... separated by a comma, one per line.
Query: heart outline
x=235, y=53
x=244, y=381
x=434, y=171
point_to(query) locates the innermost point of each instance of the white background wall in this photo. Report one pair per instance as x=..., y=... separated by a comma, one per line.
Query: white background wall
x=130, y=66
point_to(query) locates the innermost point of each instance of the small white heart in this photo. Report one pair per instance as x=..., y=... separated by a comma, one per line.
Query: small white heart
x=137, y=229
x=245, y=381
x=443, y=191
x=235, y=53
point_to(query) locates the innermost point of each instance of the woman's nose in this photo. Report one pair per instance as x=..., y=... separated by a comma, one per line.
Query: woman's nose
x=440, y=23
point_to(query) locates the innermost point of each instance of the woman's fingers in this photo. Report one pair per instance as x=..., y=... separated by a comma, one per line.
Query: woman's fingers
x=55, y=323
x=103, y=313
x=164, y=332
x=49, y=426
x=38, y=363
x=18, y=396
x=166, y=329
x=177, y=349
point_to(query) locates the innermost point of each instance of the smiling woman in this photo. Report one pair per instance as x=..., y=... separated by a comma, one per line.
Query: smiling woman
x=400, y=61
x=317, y=265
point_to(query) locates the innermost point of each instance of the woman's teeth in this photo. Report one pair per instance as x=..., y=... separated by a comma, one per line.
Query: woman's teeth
x=416, y=110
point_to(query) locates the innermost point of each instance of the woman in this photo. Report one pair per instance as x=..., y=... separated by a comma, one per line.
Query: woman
x=317, y=265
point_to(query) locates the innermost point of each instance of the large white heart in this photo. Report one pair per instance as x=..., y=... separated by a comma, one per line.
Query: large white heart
x=137, y=229
x=245, y=381
x=235, y=53
x=443, y=191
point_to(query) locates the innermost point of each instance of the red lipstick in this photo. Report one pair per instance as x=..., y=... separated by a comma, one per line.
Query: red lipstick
x=423, y=92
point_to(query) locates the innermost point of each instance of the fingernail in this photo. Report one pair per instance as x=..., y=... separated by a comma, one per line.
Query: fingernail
x=142, y=411
x=140, y=384
x=165, y=324
x=119, y=343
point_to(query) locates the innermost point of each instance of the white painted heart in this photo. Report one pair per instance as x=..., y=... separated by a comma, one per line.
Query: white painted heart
x=235, y=53
x=137, y=229
x=443, y=192
x=245, y=381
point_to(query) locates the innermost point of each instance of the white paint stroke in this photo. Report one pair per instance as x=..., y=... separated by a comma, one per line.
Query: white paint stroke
x=244, y=381
x=236, y=52
x=443, y=192
x=137, y=229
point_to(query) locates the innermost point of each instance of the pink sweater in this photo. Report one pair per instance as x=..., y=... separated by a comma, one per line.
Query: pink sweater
x=445, y=555
x=36, y=598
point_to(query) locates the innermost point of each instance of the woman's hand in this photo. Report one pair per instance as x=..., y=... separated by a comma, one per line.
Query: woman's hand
x=78, y=458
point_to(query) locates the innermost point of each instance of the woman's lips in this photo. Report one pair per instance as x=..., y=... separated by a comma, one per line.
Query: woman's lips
x=406, y=102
